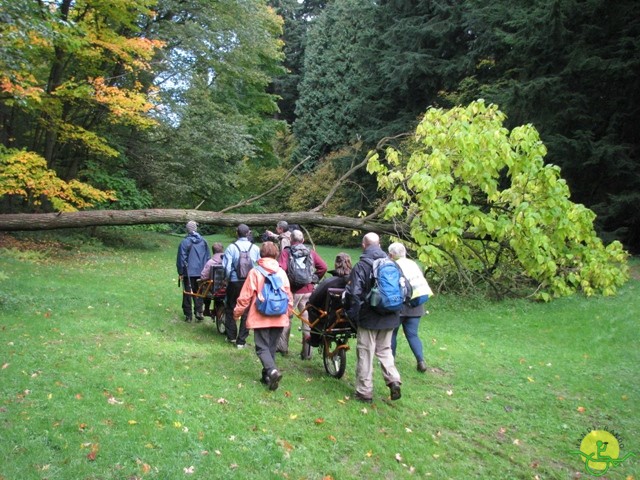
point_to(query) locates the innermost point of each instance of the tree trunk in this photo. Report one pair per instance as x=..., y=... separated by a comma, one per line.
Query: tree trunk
x=52, y=221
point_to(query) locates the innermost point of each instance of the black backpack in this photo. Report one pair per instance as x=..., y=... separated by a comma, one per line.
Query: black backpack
x=244, y=264
x=300, y=269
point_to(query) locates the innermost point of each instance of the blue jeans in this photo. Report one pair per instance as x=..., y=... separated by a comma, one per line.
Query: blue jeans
x=410, y=327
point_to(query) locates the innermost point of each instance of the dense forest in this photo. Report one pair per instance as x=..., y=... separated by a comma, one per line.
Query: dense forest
x=134, y=104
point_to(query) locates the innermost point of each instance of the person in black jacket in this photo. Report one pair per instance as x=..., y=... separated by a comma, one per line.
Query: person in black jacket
x=374, y=329
x=318, y=299
x=193, y=253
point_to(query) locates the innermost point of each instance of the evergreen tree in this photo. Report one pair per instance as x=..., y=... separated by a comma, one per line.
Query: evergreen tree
x=331, y=105
x=572, y=69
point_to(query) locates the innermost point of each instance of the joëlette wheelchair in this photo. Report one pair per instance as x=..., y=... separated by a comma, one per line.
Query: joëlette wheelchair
x=331, y=330
x=215, y=289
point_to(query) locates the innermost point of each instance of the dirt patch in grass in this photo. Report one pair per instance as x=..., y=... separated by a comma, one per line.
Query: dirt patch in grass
x=24, y=244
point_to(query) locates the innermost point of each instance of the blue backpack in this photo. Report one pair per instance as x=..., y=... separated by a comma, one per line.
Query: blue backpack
x=274, y=300
x=389, y=291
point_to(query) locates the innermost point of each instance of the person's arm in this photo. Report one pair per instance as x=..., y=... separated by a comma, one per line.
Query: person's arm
x=283, y=259
x=247, y=294
x=319, y=264
x=227, y=262
x=355, y=290
x=206, y=271
x=181, y=260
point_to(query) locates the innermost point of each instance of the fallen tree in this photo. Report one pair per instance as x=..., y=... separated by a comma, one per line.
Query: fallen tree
x=89, y=218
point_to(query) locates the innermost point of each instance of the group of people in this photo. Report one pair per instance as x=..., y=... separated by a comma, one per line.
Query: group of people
x=376, y=336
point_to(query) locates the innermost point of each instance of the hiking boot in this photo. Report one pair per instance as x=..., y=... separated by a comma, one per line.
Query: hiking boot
x=422, y=366
x=361, y=398
x=394, y=388
x=207, y=312
x=241, y=345
x=273, y=379
x=187, y=318
x=199, y=318
x=230, y=340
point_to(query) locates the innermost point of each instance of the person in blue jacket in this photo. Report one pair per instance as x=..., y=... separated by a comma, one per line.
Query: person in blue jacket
x=193, y=253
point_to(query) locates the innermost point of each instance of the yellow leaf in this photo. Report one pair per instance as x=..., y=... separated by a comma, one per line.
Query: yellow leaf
x=369, y=453
x=293, y=416
x=132, y=422
x=530, y=379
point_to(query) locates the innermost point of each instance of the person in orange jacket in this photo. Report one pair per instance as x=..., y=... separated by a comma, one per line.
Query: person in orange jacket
x=266, y=329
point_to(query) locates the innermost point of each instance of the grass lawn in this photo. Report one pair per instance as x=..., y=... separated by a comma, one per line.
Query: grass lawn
x=101, y=379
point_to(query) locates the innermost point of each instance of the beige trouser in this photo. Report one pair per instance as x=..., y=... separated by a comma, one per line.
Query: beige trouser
x=372, y=343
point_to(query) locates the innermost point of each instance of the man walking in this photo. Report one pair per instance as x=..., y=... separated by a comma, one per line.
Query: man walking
x=304, y=269
x=193, y=254
x=375, y=329
x=239, y=258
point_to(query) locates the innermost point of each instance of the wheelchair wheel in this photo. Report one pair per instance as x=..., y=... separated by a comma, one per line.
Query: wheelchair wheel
x=335, y=360
x=218, y=316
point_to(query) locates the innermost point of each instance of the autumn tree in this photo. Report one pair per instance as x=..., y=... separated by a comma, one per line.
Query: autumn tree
x=71, y=78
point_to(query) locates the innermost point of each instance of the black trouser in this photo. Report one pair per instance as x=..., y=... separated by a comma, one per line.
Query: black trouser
x=233, y=332
x=266, y=343
x=187, y=299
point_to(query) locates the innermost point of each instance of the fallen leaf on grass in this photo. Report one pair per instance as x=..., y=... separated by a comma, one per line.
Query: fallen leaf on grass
x=91, y=456
x=530, y=379
x=408, y=430
x=114, y=401
x=332, y=438
x=318, y=421
x=449, y=392
x=516, y=441
x=398, y=457
x=217, y=452
x=132, y=422
x=581, y=409
x=222, y=401
x=189, y=470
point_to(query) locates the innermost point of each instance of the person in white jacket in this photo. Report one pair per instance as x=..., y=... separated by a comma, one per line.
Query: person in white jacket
x=411, y=313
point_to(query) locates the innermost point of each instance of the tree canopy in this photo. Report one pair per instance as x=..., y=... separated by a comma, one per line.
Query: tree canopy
x=183, y=104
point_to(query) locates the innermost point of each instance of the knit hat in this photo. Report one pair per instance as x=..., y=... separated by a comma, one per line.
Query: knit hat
x=192, y=226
